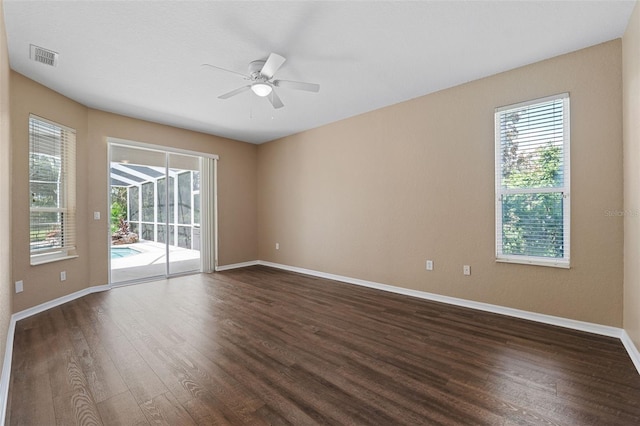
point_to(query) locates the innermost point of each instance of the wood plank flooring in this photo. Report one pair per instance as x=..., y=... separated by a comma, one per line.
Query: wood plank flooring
x=260, y=346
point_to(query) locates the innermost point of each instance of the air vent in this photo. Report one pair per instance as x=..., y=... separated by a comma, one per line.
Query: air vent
x=42, y=55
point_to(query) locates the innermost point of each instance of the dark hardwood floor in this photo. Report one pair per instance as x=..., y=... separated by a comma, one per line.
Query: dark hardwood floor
x=262, y=346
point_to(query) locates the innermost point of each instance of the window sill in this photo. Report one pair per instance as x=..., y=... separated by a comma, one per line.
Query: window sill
x=36, y=260
x=563, y=264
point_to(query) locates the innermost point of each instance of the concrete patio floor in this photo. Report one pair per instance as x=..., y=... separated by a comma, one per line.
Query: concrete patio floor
x=151, y=262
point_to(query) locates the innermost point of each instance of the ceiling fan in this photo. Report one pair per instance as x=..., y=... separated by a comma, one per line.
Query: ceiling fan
x=260, y=76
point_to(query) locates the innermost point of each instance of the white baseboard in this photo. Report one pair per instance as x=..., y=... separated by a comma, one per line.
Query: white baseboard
x=5, y=378
x=237, y=265
x=6, y=372
x=496, y=309
x=589, y=327
x=631, y=348
x=57, y=302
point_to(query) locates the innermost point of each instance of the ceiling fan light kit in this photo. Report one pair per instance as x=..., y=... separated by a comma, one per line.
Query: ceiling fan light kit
x=261, y=74
x=261, y=89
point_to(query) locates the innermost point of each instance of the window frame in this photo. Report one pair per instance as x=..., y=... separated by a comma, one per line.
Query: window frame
x=565, y=190
x=65, y=207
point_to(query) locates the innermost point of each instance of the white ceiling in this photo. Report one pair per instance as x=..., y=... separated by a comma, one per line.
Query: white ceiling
x=143, y=58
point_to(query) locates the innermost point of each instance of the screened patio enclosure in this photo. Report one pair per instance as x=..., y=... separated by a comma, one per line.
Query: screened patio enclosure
x=157, y=212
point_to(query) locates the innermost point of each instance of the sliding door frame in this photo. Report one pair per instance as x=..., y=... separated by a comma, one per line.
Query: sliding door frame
x=211, y=210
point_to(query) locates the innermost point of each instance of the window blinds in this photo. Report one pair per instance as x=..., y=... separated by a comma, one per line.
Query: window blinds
x=52, y=177
x=532, y=182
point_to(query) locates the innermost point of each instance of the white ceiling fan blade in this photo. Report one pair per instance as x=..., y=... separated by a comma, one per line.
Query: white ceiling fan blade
x=297, y=85
x=224, y=69
x=275, y=100
x=234, y=92
x=274, y=62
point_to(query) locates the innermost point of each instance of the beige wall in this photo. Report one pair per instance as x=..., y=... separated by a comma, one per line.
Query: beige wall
x=5, y=191
x=374, y=196
x=236, y=190
x=631, y=133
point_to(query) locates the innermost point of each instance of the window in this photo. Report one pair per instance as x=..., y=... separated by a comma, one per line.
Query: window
x=52, y=156
x=532, y=182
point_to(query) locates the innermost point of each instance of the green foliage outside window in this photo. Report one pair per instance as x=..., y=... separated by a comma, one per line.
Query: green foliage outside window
x=118, y=206
x=44, y=187
x=532, y=222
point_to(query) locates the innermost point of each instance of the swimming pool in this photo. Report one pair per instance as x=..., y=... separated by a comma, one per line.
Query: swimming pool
x=119, y=252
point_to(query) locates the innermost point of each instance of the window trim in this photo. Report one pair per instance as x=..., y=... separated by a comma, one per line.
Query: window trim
x=564, y=262
x=52, y=256
x=42, y=256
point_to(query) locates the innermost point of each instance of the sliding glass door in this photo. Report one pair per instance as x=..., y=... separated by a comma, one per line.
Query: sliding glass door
x=155, y=213
x=184, y=225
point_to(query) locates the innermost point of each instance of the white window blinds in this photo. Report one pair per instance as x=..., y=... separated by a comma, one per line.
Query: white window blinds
x=532, y=182
x=52, y=177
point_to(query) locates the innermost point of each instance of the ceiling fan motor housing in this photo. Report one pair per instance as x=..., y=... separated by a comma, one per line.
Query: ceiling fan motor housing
x=254, y=69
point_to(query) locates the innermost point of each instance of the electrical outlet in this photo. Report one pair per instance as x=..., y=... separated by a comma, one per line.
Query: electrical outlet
x=63, y=276
x=277, y=246
x=19, y=286
x=96, y=215
x=429, y=265
x=466, y=269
